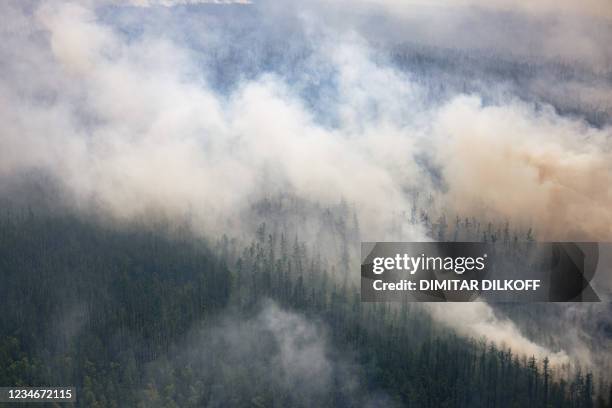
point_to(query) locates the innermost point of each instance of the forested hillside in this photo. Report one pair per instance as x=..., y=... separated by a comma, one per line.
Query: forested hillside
x=87, y=305
x=141, y=315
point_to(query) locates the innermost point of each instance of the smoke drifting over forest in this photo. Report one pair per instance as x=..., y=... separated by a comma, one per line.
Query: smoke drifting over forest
x=304, y=366
x=129, y=119
x=201, y=110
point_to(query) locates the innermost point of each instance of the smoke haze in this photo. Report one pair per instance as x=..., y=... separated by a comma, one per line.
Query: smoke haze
x=133, y=112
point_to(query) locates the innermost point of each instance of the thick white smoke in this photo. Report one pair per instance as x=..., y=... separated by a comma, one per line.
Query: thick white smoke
x=479, y=320
x=129, y=125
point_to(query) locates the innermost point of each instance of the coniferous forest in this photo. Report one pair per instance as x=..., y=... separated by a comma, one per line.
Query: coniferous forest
x=152, y=316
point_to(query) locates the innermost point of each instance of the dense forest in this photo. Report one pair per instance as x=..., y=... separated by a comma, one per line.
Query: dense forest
x=137, y=315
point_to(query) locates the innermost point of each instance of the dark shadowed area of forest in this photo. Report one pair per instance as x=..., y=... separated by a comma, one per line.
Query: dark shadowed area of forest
x=150, y=315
